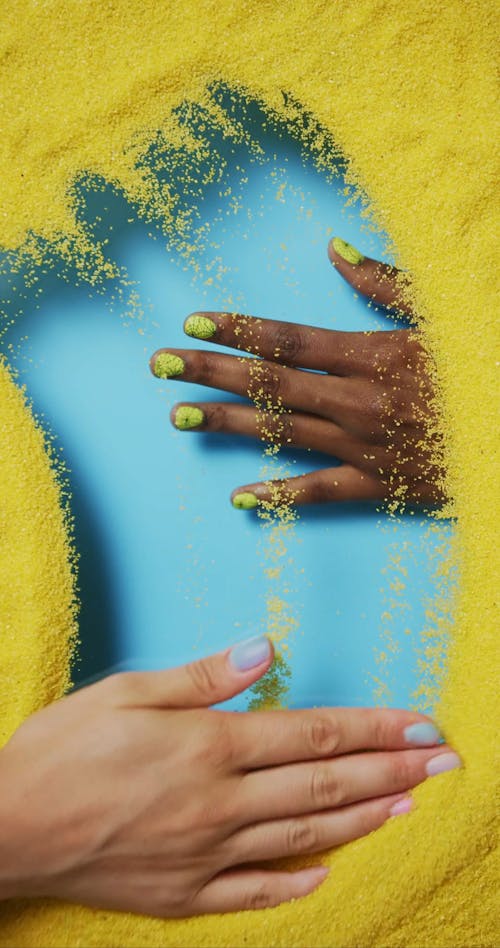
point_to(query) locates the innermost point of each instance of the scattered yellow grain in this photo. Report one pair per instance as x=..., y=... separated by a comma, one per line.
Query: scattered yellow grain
x=409, y=93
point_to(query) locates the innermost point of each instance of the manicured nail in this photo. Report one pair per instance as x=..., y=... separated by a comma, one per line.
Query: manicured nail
x=422, y=733
x=401, y=807
x=251, y=653
x=439, y=765
x=199, y=327
x=187, y=416
x=167, y=365
x=313, y=876
x=245, y=501
x=347, y=251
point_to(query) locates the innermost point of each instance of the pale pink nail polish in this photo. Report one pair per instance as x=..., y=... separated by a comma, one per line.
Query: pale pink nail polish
x=401, y=806
x=442, y=763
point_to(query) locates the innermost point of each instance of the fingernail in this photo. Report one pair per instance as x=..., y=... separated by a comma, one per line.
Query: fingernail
x=167, y=365
x=251, y=653
x=439, y=765
x=422, y=733
x=199, y=327
x=187, y=417
x=245, y=501
x=401, y=807
x=347, y=251
x=316, y=874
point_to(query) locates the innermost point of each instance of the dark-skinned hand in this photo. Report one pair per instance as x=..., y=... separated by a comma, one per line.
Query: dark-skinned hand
x=367, y=399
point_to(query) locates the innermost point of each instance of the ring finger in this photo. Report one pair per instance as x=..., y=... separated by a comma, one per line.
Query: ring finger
x=306, y=788
x=279, y=427
x=315, y=833
x=295, y=429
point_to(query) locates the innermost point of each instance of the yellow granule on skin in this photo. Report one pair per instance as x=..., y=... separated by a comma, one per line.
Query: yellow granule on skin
x=408, y=91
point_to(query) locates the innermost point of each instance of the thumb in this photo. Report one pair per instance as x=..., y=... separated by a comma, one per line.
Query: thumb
x=207, y=681
x=378, y=281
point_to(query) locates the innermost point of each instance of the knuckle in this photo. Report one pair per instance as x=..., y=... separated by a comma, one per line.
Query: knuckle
x=265, y=384
x=370, y=818
x=260, y=898
x=400, y=772
x=276, y=427
x=201, y=366
x=323, y=487
x=280, y=492
x=411, y=414
x=410, y=345
x=379, y=406
x=301, y=837
x=170, y=904
x=322, y=735
x=217, y=417
x=288, y=343
x=213, y=814
x=380, y=729
x=203, y=678
x=402, y=406
x=391, y=352
x=325, y=789
x=214, y=743
x=224, y=744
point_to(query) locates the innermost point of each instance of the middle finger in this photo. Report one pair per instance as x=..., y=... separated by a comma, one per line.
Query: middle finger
x=270, y=738
x=270, y=386
x=308, y=788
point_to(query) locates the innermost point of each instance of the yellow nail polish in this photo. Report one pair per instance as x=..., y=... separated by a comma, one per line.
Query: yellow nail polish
x=168, y=365
x=199, y=327
x=245, y=501
x=347, y=251
x=187, y=417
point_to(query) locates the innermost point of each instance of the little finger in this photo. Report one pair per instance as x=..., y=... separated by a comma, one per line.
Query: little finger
x=315, y=833
x=242, y=890
x=326, y=485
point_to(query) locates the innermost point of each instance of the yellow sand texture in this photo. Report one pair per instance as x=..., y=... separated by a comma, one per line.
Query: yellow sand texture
x=408, y=92
x=36, y=579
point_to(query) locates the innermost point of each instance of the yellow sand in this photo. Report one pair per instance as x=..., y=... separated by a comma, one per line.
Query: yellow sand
x=408, y=91
x=36, y=580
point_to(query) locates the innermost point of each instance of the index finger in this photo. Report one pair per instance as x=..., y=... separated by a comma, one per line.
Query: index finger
x=269, y=738
x=293, y=344
x=372, y=278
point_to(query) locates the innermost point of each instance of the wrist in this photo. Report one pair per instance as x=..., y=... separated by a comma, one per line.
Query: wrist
x=13, y=854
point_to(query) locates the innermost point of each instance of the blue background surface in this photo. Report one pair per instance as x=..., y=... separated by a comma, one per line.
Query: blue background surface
x=168, y=569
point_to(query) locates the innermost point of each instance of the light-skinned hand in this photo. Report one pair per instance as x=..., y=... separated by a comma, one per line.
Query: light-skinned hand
x=134, y=794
